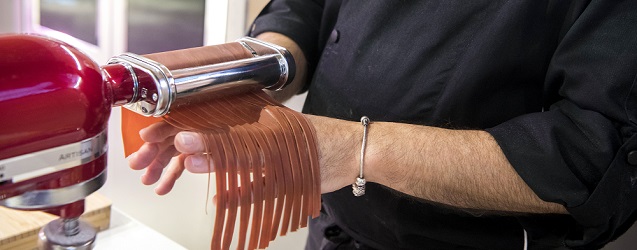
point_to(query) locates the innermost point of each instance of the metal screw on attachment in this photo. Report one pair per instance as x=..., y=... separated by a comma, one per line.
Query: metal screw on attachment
x=144, y=110
x=71, y=226
x=155, y=97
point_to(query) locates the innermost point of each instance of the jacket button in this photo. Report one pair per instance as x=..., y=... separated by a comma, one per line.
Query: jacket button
x=336, y=235
x=332, y=231
x=632, y=157
x=334, y=36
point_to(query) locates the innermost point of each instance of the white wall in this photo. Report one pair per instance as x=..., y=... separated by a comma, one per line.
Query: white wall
x=9, y=16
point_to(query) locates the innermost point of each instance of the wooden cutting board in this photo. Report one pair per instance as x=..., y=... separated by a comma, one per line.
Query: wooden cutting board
x=19, y=229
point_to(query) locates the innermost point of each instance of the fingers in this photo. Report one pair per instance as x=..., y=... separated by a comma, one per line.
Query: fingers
x=198, y=164
x=148, y=152
x=175, y=167
x=154, y=170
x=158, y=132
x=173, y=172
x=163, y=142
x=143, y=157
x=189, y=143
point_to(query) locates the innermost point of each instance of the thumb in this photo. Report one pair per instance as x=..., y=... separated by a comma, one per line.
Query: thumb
x=189, y=143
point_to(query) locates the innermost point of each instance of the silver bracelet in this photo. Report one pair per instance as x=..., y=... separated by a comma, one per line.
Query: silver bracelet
x=358, y=187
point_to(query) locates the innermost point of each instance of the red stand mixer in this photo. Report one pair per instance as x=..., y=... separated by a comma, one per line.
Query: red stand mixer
x=55, y=103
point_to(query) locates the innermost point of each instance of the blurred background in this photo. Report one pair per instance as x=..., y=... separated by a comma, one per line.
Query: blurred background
x=104, y=28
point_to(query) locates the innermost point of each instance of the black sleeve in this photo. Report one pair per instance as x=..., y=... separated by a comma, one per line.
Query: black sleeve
x=577, y=152
x=299, y=20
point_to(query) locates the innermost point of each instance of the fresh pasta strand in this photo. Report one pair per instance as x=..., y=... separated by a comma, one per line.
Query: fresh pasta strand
x=277, y=149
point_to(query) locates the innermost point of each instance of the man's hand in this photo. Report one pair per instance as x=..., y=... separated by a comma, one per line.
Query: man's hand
x=167, y=147
x=168, y=151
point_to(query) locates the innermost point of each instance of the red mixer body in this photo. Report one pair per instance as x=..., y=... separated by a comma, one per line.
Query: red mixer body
x=51, y=95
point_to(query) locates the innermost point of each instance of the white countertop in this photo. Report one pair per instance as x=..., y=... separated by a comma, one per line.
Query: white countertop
x=126, y=233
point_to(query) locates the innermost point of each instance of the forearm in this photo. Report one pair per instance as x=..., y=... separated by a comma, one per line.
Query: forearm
x=299, y=59
x=461, y=168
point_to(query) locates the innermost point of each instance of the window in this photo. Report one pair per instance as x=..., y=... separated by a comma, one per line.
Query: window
x=77, y=18
x=162, y=25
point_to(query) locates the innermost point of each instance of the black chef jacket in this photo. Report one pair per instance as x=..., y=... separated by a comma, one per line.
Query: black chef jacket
x=551, y=80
